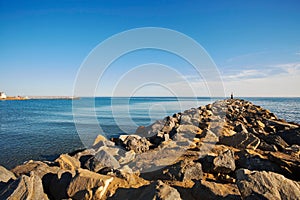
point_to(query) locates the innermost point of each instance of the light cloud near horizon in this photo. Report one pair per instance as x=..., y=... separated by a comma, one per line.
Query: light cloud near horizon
x=280, y=80
x=284, y=82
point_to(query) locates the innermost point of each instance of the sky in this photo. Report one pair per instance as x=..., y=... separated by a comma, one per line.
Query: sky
x=255, y=46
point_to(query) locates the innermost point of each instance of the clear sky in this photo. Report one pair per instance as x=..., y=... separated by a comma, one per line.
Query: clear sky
x=255, y=44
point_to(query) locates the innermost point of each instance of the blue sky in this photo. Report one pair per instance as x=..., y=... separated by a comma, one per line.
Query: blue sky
x=255, y=44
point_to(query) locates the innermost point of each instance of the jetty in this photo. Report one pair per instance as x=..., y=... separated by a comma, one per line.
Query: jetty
x=230, y=149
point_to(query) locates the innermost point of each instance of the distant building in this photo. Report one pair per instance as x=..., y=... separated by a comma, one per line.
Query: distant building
x=2, y=95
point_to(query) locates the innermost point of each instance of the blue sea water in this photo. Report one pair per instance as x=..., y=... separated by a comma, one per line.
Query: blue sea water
x=43, y=129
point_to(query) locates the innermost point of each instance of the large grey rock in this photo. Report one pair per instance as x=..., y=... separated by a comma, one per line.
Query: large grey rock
x=39, y=168
x=87, y=184
x=24, y=188
x=169, y=124
x=289, y=162
x=186, y=120
x=214, y=191
x=166, y=192
x=154, y=191
x=102, y=141
x=126, y=157
x=266, y=185
x=136, y=143
x=276, y=140
x=291, y=136
x=267, y=147
x=184, y=170
x=85, y=155
x=150, y=130
x=54, y=179
x=68, y=162
x=55, y=185
x=6, y=175
x=293, y=150
x=189, y=131
x=102, y=159
x=251, y=161
x=241, y=140
x=240, y=128
x=192, y=171
x=280, y=125
x=224, y=162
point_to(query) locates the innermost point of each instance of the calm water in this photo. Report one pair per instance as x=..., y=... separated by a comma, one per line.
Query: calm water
x=42, y=129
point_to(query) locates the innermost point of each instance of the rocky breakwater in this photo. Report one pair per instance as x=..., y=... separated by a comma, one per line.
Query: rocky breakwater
x=229, y=149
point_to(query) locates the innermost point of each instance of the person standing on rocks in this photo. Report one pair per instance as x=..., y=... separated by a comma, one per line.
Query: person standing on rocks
x=231, y=96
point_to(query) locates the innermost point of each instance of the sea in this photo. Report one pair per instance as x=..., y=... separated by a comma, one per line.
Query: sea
x=42, y=129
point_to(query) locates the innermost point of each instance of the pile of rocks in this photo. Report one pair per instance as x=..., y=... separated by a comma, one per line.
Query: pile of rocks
x=230, y=149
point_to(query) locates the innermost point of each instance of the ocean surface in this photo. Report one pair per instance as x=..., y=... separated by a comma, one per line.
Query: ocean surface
x=43, y=129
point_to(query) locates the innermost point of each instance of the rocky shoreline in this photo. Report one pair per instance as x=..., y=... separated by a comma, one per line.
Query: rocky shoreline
x=230, y=149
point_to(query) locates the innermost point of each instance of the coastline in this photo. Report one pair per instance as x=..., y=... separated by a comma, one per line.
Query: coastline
x=228, y=149
x=54, y=97
x=40, y=98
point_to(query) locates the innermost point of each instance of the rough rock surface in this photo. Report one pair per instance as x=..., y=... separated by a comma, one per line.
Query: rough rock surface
x=213, y=191
x=67, y=162
x=134, y=142
x=241, y=140
x=164, y=191
x=102, y=159
x=155, y=191
x=87, y=184
x=224, y=162
x=184, y=170
x=230, y=149
x=25, y=187
x=6, y=175
x=266, y=185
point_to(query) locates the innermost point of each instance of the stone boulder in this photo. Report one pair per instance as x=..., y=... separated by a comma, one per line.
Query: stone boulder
x=99, y=138
x=101, y=141
x=169, y=124
x=55, y=185
x=255, y=161
x=276, y=140
x=293, y=150
x=214, y=191
x=224, y=162
x=280, y=125
x=39, y=168
x=132, y=178
x=126, y=157
x=150, y=130
x=186, y=120
x=87, y=184
x=136, y=143
x=85, y=155
x=240, y=128
x=154, y=191
x=267, y=147
x=25, y=187
x=166, y=192
x=102, y=159
x=67, y=162
x=241, y=140
x=184, y=170
x=291, y=136
x=266, y=185
x=289, y=162
x=189, y=131
x=6, y=175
